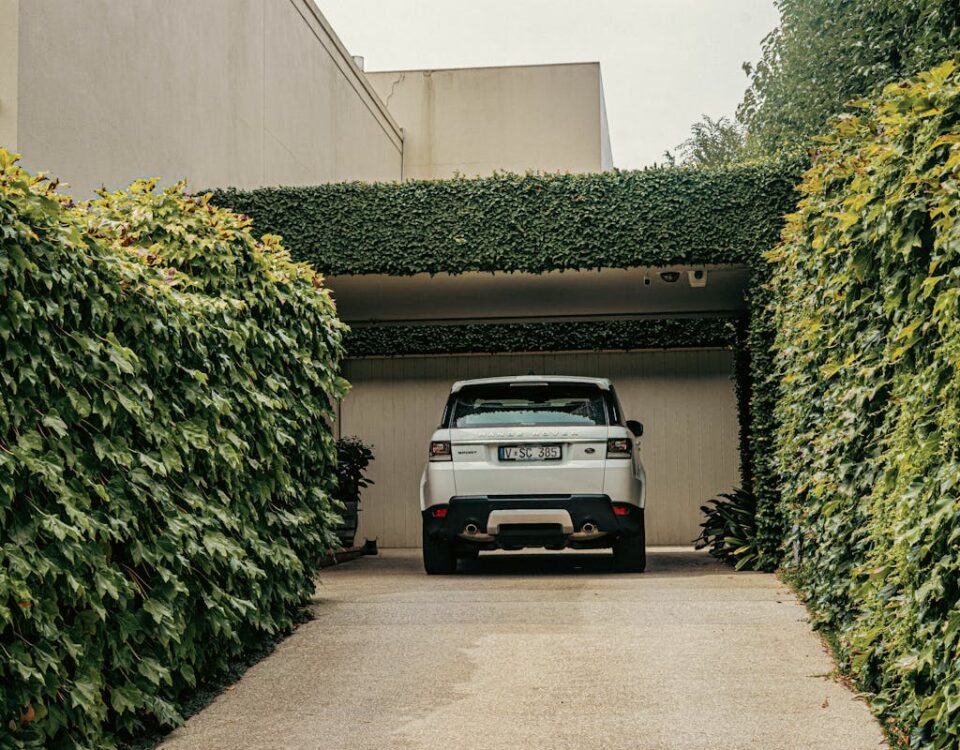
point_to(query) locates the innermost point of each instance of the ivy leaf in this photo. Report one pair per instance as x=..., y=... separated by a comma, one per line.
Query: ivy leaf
x=53, y=421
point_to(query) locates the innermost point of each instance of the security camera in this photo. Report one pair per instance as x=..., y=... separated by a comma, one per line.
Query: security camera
x=671, y=277
x=697, y=278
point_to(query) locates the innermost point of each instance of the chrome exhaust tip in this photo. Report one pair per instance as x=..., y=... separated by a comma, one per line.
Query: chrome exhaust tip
x=589, y=528
x=471, y=529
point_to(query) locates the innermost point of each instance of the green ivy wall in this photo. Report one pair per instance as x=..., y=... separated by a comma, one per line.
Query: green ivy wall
x=497, y=338
x=166, y=460
x=655, y=217
x=865, y=298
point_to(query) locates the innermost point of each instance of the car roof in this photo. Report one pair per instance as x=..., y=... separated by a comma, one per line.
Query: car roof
x=601, y=383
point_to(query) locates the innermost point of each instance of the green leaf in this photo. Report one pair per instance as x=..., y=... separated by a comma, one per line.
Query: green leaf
x=53, y=421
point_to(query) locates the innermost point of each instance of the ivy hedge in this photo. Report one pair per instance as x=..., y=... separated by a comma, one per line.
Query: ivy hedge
x=165, y=457
x=866, y=303
x=757, y=400
x=534, y=223
x=644, y=333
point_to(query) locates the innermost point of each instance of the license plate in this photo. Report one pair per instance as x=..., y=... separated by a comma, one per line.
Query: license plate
x=529, y=452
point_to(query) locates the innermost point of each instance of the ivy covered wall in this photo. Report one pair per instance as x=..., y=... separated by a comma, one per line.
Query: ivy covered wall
x=166, y=458
x=497, y=338
x=535, y=223
x=866, y=302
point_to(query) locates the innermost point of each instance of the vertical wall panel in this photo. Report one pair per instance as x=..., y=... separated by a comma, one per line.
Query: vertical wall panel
x=684, y=398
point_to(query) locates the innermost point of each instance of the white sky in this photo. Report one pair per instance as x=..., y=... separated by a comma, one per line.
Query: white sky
x=664, y=62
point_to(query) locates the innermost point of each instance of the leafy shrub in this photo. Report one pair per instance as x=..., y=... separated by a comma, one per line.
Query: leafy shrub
x=730, y=529
x=867, y=314
x=353, y=458
x=166, y=463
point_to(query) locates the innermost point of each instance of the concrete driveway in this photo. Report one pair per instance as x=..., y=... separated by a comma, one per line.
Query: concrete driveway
x=533, y=651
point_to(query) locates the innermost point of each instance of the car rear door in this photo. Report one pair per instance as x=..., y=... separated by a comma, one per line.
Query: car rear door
x=483, y=466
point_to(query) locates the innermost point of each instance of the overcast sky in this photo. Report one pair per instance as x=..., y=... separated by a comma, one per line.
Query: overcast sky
x=664, y=62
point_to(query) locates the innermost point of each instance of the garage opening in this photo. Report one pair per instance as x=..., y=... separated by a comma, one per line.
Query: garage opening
x=685, y=399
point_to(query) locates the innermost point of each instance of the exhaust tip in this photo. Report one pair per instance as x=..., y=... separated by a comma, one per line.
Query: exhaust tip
x=470, y=528
x=589, y=528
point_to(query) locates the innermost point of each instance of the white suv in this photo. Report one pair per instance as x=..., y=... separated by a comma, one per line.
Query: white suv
x=533, y=461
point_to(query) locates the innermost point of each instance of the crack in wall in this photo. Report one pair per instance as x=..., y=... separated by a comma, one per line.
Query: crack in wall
x=393, y=89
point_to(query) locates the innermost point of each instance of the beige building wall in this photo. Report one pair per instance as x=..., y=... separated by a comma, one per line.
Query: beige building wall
x=606, y=150
x=684, y=398
x=9, y=54
x=474, y=121
x=223, y=92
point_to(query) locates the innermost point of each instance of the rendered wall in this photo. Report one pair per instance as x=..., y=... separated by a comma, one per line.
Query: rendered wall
x=474, y=121
x=9, y=29
x=223, y=92
x=606, y=150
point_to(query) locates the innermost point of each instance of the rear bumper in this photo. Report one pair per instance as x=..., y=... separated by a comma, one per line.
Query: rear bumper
x=512, y=522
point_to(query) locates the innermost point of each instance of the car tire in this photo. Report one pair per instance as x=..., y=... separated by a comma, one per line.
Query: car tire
x=630, y=551
x=439, y=557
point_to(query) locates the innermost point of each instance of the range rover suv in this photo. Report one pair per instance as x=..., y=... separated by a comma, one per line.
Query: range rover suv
x=533, y=461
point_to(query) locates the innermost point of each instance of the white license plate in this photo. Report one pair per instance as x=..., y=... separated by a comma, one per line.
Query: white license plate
x=529, y=452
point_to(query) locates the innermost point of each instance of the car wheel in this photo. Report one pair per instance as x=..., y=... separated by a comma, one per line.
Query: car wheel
x=630, y=551
x=439, y=557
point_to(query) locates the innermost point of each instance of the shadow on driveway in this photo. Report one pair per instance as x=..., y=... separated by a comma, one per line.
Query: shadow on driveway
x=661, y=562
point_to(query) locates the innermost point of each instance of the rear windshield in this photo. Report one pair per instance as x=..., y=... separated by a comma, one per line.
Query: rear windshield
x=509, y=405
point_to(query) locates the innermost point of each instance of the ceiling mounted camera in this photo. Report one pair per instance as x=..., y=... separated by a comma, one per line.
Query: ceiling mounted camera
x=697, y=278
x=671, y=277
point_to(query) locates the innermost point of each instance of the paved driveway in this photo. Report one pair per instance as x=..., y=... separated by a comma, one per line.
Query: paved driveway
x=528, y=651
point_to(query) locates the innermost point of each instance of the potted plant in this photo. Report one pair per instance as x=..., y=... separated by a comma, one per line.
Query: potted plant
x=353, y=457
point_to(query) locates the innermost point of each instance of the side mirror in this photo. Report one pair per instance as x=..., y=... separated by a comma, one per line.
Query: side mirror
x=635, y=427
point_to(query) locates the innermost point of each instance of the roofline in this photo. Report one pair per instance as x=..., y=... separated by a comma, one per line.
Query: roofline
x=486, y=67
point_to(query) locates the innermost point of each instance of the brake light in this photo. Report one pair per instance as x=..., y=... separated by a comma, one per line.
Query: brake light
x=440, y=450
x=440, y=512
x=621, y=510
x=618, y=448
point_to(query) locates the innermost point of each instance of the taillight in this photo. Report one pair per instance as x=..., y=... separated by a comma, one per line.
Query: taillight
x=619, y=509
x=441, y=512
x=618, y=448
x=440, y=450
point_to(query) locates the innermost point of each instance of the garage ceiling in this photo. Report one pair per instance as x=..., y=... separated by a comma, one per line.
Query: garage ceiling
x=567, y=295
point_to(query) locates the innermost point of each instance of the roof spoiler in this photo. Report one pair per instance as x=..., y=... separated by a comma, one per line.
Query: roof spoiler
x=600, y=383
